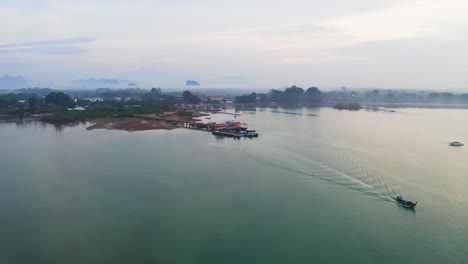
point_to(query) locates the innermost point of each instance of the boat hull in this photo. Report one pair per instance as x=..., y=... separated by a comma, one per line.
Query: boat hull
x=406, y=203
x=407, y=206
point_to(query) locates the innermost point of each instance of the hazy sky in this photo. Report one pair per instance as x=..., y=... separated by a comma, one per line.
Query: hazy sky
x=260, y=44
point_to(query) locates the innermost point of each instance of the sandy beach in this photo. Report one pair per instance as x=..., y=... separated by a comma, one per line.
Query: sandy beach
x=129, y=124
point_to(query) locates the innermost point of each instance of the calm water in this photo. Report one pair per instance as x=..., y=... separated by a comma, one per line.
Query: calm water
x=315, y=187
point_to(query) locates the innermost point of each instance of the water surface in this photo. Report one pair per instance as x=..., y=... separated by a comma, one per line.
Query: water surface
x=315, y=187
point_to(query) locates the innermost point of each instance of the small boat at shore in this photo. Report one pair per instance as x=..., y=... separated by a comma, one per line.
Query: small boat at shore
x=456, y=143
x=251, y=133
x=405, y=202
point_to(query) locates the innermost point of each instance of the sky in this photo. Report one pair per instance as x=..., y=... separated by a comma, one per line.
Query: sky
x=393, y=44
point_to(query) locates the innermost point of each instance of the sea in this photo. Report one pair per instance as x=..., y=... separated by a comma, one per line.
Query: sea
x=317, y=186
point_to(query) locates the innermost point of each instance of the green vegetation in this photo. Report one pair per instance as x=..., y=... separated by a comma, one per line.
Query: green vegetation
x=189, y=98
x=298, y=95
x=8, y=101
x=60, y=99
x=111, y=109
x=184, y=113
x=292, y=94
x=251, y=98
x=61, y=107
x=395, y=96
x=19, y=104
x=349, y=106
x=58, y=106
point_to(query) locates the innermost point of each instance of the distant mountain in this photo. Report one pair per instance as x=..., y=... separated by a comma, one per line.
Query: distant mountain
x=93, y=82
x=151, y=78
x=36, y=91
x=192, y=83
x=9, y=82
x=228, y=92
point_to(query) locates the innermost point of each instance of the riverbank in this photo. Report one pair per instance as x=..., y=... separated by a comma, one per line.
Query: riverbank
x=129, y=124
x=144, y=122
x=364, y=104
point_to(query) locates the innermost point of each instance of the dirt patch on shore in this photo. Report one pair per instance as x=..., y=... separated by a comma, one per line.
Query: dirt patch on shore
x=129, y=124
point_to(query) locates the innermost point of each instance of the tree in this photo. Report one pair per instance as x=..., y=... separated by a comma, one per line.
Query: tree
x=293, y=94
x=59, y=99
x=313, y=95
x=433, y=97
x=168, y=105
x=263, y=97
x=156, y=91
x=274, y=95
x=251, y=98
x=464, y=97
x=373, y=95
x=389, y=97
x=447, y=97
x=8, y=101
x=189, y=98
x=32, y=101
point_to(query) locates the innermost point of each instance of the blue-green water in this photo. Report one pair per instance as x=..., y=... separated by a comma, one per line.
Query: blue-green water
x=313, y=188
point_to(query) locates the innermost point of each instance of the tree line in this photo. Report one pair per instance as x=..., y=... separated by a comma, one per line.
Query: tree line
x=62, y=106
x=296, y=94
x=291, y=94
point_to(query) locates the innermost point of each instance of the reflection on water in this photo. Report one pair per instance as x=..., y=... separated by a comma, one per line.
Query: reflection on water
x=18, y=121
x=61, y=127
x=409, y=211
x=292, y=113
x=32, y=122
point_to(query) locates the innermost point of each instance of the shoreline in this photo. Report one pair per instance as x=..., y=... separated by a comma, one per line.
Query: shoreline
x=129, y=124
x=142, y=122
x=331, y=104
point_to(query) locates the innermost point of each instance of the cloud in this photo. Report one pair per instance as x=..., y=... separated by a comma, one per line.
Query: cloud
x=405, y=20
x=316, y=60
x=60, y=50
x=56, y=46
x=54, y=42
x=276, y=41
x=279, y=31
x=419, y=50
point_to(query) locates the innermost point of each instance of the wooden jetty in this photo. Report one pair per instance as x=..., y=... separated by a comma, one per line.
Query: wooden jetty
x=233, y=129
x=184, y=123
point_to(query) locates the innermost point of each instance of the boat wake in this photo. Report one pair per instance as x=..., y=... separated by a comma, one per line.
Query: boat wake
x=330, y=167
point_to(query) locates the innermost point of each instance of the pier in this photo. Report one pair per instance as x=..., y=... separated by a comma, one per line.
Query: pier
x=228, y=129
x=179, y=122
